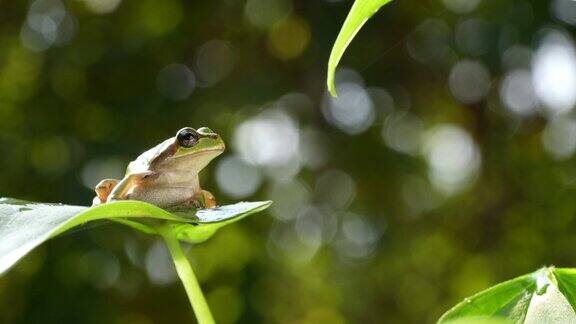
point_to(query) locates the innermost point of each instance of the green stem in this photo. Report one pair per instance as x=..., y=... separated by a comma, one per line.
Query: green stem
x=186, y=274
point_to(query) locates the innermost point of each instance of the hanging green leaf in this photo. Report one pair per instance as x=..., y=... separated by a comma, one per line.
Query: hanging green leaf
x=360, y=12
x=25, y=225
x=545, y=296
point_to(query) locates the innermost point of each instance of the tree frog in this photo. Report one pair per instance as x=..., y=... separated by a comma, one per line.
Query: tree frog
x=167, y=174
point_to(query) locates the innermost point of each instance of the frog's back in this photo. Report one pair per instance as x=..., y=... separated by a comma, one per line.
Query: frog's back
x=143, y=161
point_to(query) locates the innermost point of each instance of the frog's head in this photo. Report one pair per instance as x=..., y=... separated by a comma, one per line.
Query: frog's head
x=200, y=145
x=188, y=152
x=183, y=155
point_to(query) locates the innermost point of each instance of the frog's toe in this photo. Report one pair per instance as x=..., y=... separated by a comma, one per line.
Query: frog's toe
x=103, y=189
x=96, y=201
x=209, y=199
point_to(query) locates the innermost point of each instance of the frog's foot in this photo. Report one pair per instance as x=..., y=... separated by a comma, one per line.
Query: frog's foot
x=209, y=200
x=103, y=190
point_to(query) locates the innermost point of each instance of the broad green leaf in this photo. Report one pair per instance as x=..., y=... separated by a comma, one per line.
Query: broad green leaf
x=360, y=12
x=25, y=225
x=210, y=220
x=545, y=296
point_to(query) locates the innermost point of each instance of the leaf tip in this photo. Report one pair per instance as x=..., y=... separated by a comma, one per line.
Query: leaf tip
x=268, y=203
x=330, y=83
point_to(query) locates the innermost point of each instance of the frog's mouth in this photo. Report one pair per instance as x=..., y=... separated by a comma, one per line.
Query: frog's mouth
x=216, y=150
x=195, y=162
x=213, y=151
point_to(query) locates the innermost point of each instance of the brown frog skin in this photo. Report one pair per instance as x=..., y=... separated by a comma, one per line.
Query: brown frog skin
x=167, y=174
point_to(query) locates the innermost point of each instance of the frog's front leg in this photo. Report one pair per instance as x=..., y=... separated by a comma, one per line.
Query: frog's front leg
x=124, y=188
x=103, y=190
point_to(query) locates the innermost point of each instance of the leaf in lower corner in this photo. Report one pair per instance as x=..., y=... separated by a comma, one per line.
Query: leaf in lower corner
x=545, y=296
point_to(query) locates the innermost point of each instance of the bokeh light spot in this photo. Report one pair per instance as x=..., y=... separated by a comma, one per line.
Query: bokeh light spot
x=461, y=6
x=265, y=13
x=565, y=10
x=358, y=237
x=51, y=156
x=335, y=188
x=19, y=74
x=157, y=18
x=402, y=132
x=453, y=157
x=108, y=268
x=309, y=227
x=176, y=82
x=268, y=139
x=554, y=73
x=289, y=198
x=517, y=93
x=102, y=7
x=237, y=178
x=289, y=38
x=352, y=111
x=48, y=23
x=418, y=195
x=559, y=137
x=314, y=149
x=213, y=62
x=226, y=304
x=159, y=265
x=469, y=81
x=98, y=169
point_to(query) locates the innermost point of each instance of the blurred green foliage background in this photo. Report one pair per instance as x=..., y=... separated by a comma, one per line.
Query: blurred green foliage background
x=445, y=165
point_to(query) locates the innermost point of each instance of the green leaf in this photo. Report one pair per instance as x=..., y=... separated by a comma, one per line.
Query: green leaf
x=482, y=320
x=25, y=225
x=360, y=12
x=567, y=283
x=545, y=296
x=210, y=220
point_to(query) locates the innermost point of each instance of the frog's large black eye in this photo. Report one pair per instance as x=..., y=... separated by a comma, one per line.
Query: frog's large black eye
x=187, y=137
